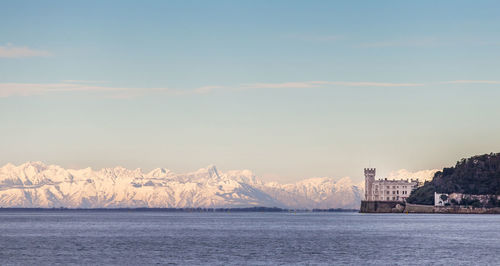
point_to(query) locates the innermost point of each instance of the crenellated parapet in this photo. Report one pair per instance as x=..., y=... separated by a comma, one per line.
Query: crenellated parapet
x=370, y=171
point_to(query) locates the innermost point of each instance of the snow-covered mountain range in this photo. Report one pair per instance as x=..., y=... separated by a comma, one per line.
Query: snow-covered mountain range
x=34, y=184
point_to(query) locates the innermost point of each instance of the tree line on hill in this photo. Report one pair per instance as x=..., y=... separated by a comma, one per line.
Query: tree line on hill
x=478, y=175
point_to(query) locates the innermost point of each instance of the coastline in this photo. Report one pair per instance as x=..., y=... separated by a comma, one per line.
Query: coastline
x=403, y=207
x=248, y=209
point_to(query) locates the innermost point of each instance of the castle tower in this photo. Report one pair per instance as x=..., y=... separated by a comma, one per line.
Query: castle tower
x=369, y=179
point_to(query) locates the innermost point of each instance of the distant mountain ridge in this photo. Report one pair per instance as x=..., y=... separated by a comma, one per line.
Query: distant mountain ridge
x=37, y=185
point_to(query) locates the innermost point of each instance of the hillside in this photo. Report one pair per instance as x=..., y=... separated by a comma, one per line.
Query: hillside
x=478, y=175
x=35, y=184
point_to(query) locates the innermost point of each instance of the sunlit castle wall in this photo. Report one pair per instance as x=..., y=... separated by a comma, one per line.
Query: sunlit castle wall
x=387, y=190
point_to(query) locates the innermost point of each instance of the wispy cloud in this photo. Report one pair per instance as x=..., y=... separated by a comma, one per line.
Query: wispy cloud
x=368, y=84
x=84, y=81
x=31, y=89
x=414, y=42
x=278, y=85
x=472, y=82
x=316, y=84
x=432, y=41
x=315, y=37
x=11, y=51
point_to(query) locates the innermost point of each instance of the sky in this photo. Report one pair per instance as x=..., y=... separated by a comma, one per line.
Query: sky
x=287, y=89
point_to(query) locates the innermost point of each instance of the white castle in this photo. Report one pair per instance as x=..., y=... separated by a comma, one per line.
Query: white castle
x=387, y=190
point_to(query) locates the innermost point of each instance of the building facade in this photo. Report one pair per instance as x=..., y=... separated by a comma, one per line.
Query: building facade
x=387, y=190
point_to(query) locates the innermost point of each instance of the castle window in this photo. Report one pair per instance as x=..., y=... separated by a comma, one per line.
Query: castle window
x=397, y=192
x=387, y=198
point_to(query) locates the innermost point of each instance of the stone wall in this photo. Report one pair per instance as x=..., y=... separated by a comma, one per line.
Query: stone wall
x=415, y=208
x=382, y=206
x=402, y=207
x=466, y=210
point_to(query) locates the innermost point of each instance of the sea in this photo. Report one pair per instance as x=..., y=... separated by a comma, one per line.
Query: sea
x=86, y=237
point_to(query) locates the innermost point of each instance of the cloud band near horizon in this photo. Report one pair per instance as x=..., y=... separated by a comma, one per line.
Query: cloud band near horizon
x=32, y=89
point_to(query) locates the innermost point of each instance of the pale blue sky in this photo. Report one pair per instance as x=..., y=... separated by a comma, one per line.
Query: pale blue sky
x=288, y=89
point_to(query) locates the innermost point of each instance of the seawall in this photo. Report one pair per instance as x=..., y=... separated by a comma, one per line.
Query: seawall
x=403, y=207
x=466, y=210
x=381, y=206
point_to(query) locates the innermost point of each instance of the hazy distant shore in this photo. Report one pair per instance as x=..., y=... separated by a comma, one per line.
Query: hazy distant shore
x=249, y=209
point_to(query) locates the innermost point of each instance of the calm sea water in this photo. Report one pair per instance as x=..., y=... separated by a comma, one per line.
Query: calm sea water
x=135, y=238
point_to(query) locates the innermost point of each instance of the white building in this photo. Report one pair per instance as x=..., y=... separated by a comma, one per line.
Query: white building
x=441, y=199
x=387, y=190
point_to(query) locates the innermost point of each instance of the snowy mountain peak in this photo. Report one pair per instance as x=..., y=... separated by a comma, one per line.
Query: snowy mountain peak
x=34, y=184
x=212, y=170
x=345, y=181
x=34, y=166
x=159, y=172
